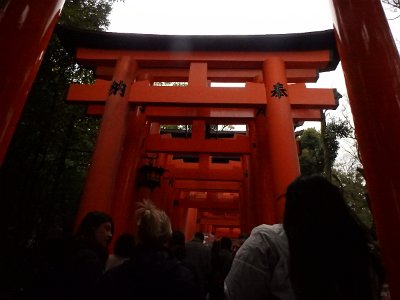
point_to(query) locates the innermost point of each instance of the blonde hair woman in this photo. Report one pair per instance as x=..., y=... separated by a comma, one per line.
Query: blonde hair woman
x=153, y=272
x=153, y=225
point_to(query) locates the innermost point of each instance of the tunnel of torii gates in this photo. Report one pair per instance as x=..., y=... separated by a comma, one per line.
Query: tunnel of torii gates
x=371, y=66
x=215, y=184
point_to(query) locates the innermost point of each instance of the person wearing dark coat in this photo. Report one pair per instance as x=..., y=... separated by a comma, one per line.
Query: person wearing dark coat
x=72, y=267
x=153, y=272
x=221, y=262
x=86, y=259
x=198, y=255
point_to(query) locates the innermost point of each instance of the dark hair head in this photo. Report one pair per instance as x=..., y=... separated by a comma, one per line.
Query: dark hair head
x=177, y=238
x=89, y=224
x=199, y=235
x=313, y=203
x=329, y=252
x=124, y=245
x=226, y=243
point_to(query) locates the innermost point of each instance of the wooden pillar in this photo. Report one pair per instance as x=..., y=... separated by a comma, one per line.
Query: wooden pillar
x=265, y=209
x=181, y=215
x=123, y=205
x=168, y=202
x=101, y=180
x=203, y=228
x=159, y=192
x=25, y=30
x=371, y=67
x=246, y=199
x=191, y=223
x=282, y=148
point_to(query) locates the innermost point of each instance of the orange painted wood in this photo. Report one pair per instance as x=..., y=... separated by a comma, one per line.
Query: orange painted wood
x=185, y=115
x=212, y=205
x=96, y=92
x=194, y=185
x=181, y=59
x=302, y=97
x=304, y=114
x=123, y=199
x=179, y=112
x=261, y=175
x=208, y=174
x=143, y=94
x=246, y=199
x=282, y=148
x=371, y=65
x=160, y=143
x=220, y=222
x=191, y=222
x=252, y=95
x=225, y=231
x=214, y=75
x=25, y=29
x=198, y=75
x=103, y=172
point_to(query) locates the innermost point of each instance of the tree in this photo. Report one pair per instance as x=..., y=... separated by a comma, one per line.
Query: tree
x=395, y=4
x=312, y=157
x=331, y=133
x=319, y=153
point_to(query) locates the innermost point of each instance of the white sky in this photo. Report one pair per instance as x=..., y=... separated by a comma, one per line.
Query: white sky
x=220, y=16
x=233, y=17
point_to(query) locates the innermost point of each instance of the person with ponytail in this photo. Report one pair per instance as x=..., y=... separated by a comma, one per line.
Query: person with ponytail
x=153, y=272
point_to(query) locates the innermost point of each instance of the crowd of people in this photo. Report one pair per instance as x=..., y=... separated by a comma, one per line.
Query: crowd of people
x=319, y=252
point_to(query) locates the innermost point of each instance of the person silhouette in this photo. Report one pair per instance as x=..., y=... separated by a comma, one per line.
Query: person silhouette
x=123, y=251
x=320, y=251
x=153, y=272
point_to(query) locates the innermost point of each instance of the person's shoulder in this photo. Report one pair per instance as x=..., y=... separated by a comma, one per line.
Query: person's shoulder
x=275, y=229
x=268, y=235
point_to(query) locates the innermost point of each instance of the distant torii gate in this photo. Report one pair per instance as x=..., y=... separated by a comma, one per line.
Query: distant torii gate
x=273, y=68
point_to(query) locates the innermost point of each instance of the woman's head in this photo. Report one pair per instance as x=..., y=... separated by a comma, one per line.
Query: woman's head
x=96, y=228
x=313, y=203
x=328, y=248
x=153, y=225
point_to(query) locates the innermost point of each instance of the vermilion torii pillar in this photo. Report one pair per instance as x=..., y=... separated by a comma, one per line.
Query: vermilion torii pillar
x=122, y=205
x=371, y=67
x=25, y=30
x=282, y=147
x=103, y=172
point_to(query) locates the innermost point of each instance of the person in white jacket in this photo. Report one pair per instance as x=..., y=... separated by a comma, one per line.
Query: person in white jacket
x=321, y=251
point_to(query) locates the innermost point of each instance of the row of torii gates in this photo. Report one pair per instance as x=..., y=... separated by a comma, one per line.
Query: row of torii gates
x=259, y=164
x=213, y=197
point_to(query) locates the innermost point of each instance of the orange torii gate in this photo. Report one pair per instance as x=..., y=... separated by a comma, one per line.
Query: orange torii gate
x=273, y=69
x=370, y=62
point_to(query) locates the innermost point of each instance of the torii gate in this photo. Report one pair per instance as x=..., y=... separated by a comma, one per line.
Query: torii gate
x=370, y=62
x=274, y=69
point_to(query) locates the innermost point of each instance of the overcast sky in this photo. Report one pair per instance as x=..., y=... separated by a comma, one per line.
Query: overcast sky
x=221, y=16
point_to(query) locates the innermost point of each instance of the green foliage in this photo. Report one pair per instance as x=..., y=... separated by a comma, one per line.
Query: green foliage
x=354, y=191
x=335, y=130
x=311, y=158
x=87, y=14
x=351, y=182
